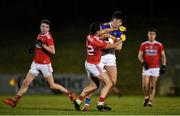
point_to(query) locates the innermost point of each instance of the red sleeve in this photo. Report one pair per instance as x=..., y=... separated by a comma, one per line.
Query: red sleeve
x=50, y=40
x=161, y=48
x=141, y=48
x=99, y=45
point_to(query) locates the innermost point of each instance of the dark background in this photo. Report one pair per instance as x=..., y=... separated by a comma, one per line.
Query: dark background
x=20, y=21
x=26, y=15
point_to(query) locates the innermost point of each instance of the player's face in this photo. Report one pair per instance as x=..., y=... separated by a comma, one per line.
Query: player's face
x=117, y=23
x=151, y=36
x=44, y=28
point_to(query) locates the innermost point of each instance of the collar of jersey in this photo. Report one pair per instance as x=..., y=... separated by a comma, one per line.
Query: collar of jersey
x=45, y=34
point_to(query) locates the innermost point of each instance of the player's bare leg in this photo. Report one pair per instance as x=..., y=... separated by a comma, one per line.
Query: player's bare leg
x=92, y=87
x=104, y=92
x=112, y=72
x=88, y=98
x=59, y=87
x=145, y=87
x=87, y=102
x=86, y=91
x=153, y=81
x=27, y=81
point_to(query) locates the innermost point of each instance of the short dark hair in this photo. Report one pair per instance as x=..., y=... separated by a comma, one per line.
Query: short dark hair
x=94, y=27
x=46, y=22
x=118, y=15
x=152, y=30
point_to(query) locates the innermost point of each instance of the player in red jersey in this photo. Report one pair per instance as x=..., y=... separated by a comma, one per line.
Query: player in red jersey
x=150, y=54
x=95, y=67
x=41, y=63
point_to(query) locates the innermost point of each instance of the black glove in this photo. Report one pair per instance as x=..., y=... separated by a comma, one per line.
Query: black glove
x=145, y=65
x=162, y=69
x=39, y=43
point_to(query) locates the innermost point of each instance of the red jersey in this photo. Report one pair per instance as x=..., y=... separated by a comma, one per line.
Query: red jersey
x=93, y=48
x=152, y=53
x=42, y=56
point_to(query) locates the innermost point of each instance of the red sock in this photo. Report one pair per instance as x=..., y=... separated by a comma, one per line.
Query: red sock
x=81, y=98
x=101, y=99
x=17, y=98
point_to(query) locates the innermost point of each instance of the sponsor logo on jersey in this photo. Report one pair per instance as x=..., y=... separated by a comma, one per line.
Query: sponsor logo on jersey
x=151, y=52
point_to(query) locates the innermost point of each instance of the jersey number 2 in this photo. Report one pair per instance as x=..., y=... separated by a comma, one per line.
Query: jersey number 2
x=90, y=50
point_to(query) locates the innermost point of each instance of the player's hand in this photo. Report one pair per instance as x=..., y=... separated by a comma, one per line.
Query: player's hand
x=39, y=43
x=123, y=37
x=145, y=65
x=104, y=36
x=162, y=69
x=122, y=28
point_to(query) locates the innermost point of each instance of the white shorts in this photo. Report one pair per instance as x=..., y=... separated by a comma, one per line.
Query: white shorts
x=151, y=72
x=108, y=60
x=94, y=69
x=45, y=69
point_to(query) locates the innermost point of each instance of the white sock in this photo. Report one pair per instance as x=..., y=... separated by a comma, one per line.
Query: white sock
x=146, y=97
x=100, y=103
x=78, y=101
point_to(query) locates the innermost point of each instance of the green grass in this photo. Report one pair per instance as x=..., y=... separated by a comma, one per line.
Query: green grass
x=53, y=105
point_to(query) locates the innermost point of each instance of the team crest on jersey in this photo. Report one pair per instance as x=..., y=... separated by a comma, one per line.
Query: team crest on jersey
x=151, y=52
x=150, y=47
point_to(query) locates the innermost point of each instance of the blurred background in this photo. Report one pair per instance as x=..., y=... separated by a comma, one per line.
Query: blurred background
x=20, y=21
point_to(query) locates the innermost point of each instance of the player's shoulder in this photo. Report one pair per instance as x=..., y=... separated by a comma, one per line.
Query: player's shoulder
x=49, y=35
x=90, y=38
x=158, y=43
x=105, y=25
x=144, y=43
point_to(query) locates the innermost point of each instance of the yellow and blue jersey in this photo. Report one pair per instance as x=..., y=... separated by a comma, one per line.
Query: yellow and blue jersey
x=115, y=33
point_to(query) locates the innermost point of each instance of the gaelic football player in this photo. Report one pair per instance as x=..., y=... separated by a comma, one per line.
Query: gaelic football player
x=95, y=67
x=108, y=55
x=153, y=58
x=44, y=47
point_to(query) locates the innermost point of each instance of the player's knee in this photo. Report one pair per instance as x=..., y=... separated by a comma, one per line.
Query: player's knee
x=145, y=88
x=152, y=88
x=110, y=84
x=94, y=86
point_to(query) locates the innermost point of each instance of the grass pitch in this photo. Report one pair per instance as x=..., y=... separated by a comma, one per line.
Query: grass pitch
x=60, y=105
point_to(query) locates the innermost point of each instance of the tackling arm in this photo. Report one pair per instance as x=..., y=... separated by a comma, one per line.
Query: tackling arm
x=105, y=31
x=111, y=46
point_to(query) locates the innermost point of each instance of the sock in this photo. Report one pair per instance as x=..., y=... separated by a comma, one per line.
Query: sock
x=146, y=97
x=79, y=100
x=150, y=102
x=87, y=101
x=17, y=98
x=101, y=101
